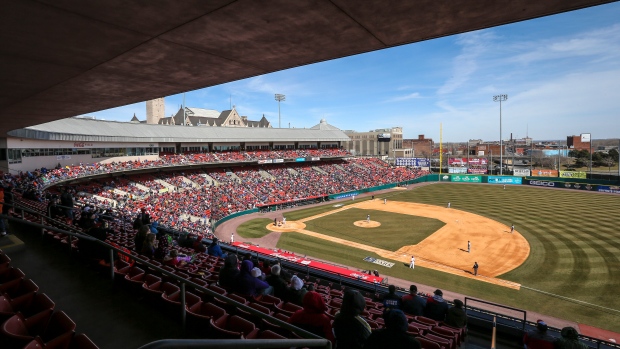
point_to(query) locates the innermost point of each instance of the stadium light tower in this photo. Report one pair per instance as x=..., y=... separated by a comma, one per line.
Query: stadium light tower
x=500, y=99
x=279, y=98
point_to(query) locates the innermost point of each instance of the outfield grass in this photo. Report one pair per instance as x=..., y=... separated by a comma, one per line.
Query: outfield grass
x=574, y=240
x=256, y=228
x=396, y=230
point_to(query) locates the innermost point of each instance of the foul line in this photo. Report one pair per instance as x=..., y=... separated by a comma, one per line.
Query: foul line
x=570, y=299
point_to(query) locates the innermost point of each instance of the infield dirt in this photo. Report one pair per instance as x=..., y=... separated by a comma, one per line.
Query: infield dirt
x=496, y=250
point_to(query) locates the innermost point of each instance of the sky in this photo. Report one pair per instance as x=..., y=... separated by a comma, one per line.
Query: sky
x=561, y=74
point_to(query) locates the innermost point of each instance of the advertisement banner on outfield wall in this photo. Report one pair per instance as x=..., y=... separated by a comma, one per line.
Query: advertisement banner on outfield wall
x=457, y=169
x=504, y=180
x=445, y=178
x=414, y=162
x=544, y=173
x=538, y=183
x=466, y=179
x=477, y=170
x=609, y=189
x=573, y=174
x=521, y=172
x=579, y=186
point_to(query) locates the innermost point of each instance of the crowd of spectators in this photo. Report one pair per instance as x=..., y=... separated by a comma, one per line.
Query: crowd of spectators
x=219, y=192
x=60, y=173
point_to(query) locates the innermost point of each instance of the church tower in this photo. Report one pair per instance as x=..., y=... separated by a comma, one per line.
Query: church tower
x=155, y=110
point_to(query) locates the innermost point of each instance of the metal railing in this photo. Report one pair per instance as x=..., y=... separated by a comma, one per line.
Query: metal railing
x=244, y=343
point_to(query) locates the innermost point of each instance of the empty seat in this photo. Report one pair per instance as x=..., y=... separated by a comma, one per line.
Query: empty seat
x=445, y=342
x=288, y=308
x=233, y=327
x=81, y=341
x=18, y=331
x=19, y=287
x=199, y=315
x=427, y=344
x=426, y=321
x=11, y=273
x=446, y=333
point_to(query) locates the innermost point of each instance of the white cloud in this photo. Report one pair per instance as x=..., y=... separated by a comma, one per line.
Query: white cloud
x=473, y=45
x=413, y=95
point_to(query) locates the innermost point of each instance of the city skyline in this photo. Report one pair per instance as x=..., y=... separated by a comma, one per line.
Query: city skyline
x=561, y=74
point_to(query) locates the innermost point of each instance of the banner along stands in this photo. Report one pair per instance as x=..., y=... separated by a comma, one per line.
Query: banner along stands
x=544, y=173
x=457, y=169
x=521, y=172
x=573, y=174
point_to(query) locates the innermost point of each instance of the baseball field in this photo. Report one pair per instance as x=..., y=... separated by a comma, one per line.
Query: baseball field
x=563, y=258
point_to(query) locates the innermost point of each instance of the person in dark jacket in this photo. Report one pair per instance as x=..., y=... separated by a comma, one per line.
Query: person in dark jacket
x=391, y=300
x=456, y=316
x=247, y=284
x=412, y=303
x=277, y=282
x=394, y=335
x=296, y=292
x=229, y=273
x=350, y=329
x=569, y=339
x=312, y=317
x=436, y=307
x=138, y=240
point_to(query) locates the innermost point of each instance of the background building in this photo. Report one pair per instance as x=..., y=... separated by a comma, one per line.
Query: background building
x=383, y=141
x=422, y=147
x=575, y=143
x=155, y=110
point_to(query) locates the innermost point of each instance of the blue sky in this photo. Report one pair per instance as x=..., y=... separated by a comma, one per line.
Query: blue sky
x=561, y=74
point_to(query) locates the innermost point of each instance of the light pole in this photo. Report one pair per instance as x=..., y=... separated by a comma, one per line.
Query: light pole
x=280, y=98
x=500, y=99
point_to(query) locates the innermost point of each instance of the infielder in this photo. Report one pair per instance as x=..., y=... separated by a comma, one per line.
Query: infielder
x=412, y=264
x=468, y=247
x=368, y=219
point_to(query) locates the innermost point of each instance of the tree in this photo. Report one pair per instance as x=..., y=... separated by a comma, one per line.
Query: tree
x=613, y=154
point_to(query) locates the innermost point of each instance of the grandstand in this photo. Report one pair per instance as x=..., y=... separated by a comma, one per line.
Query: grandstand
x=221, y=189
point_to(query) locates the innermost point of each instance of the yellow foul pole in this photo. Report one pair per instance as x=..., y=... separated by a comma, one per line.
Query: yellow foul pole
x=440, y=147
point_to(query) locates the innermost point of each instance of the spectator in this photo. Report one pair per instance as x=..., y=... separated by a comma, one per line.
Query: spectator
x=394, y=335
x=569, y=339
x=215, y=249
x=436, y=307
x=138, y=240
x=350, y=329
x=277, y=282
x=391, y=300
x=66, y=200
x=538, y=339
x=296, y=291
x=229, y=273
x=249, y=285
x=2, y=227
x=149, y=245
x=456, y=316
x=312, y=317
x=412, y=303
x=164, y=240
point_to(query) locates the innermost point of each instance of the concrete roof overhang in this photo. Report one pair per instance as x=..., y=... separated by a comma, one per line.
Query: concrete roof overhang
x=61, y=58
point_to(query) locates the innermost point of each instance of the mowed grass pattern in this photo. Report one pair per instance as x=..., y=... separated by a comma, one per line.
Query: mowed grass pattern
x=574, y=236
x=574, y=239
x=396, y=230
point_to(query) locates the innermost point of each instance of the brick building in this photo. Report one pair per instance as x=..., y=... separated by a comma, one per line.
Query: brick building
x=575, y=143
x=421, y=146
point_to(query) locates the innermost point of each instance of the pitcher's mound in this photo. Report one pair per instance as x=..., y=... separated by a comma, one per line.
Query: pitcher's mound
x=366, y=224
x=289, y=226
